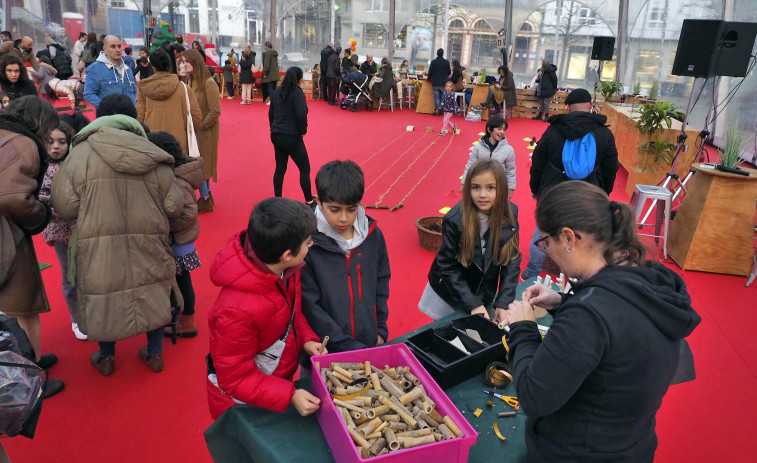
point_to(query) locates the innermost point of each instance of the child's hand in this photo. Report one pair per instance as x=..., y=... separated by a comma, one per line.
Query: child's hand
x=500, y=316
x=305, y=402
x=379, y=340
x=313, y=348
x=480, y=310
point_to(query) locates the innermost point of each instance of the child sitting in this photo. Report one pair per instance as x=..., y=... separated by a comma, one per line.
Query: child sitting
x=256, y=325
x=494, y=145
x=345, y=284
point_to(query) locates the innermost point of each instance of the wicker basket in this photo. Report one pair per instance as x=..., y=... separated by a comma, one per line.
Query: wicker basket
x=430, y=232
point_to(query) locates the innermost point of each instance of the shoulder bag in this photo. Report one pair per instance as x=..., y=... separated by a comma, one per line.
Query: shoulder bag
x=193, y=149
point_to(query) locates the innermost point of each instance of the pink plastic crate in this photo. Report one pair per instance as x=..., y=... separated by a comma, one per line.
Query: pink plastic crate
x=340, y=442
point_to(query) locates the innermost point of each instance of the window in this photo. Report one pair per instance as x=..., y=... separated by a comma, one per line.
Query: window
x=178, y=23
x=381, y=6
x=656, y=17
x=456, y=23
x=485, y=52
x=587, y=17
x=191, y=3
x=482, y=25
x=194, y=21
x=210, y=21
x=118, y=3
x=400, y=43
x=374, y=36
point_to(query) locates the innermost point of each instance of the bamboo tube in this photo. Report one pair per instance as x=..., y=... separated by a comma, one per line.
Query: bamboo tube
x=427, y=418
x=435, y=415
x=388, y=417
x=334, y=380
x=363, y=419
x=341, y=377
x=428, y=406
x=377, y=446
x=438, y=437
x=452, y=426
x=354, y=389
x=416, y=393
x=349, y=406
x=417, y=433
x=347, y=365
x=357, y=415
x=398, y=426
x=391, y=372
x=373, y=436
x=367, y=368
x=377, y=371
x=421, y=423
x=367, y=428
x=342, y=412
x=446, y=432
x=329, y=385
x=350, y=421
x=364, y=453
x=411, y=377
x=357, y=438
x=390, y=387
x=381, y=427
x=404, y=415
x=383, y=451
x=323, y=374
x=375, y=381
x=342, y=371
x=405, y=383
x=377, y=411
x=410, y=442
x=372, y=393
x=391, y=439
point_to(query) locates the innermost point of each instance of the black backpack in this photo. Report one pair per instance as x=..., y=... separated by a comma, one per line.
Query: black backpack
x=62, y=63
x=89, y=55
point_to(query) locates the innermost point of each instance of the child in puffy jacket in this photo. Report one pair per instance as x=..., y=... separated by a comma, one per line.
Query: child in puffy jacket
x=494, y=145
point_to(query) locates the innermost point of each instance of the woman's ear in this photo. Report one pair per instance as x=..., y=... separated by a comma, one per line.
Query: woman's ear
x=568, y=234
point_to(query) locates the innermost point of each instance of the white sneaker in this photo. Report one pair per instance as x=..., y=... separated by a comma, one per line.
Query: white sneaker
x=79, y=335
x=229, y=97
x=268, y=104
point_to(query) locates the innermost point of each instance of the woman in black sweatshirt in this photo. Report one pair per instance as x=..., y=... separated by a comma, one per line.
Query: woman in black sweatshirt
x=288, y=117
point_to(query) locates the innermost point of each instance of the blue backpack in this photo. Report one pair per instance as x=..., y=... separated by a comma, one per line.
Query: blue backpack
x=579, y=156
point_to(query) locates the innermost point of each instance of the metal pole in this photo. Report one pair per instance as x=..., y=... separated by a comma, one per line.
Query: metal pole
x=85, y=5
x=622, y=39
x=147, y=14
x=391, y=29
x=6, y=15
x=171, y=18
x=507, y=52
x=662, y=50
x=213, y=22
x=558, y=18
x=332, y=15
x=273, y=23
x=446, y=26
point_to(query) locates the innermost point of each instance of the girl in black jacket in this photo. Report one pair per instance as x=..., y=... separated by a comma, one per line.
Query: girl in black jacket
x=288, y=117
x=476, y=268
x=14, y=80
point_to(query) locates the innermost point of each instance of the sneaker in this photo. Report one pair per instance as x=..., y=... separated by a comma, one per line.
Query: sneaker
x=229, y=97
x=104, y=365
x=155, y=361
x=79, y=335
x=242, y=102
x=441, y=134
x=47, y=360
x=269, y=103
x=52, y=387
x=454, y=128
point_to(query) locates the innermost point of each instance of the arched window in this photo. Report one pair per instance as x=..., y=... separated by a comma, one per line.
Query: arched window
x=526, y=28
x=482, y=25
x=456, y=23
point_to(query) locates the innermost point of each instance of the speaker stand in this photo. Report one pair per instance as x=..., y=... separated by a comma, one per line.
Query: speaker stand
x=596, y=84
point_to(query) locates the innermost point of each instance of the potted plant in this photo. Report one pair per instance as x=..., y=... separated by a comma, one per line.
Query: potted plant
x=609, y=88
x=654, y=91
x=730, y=155
x=655, y=116
x=658, y=150
x=637, y=88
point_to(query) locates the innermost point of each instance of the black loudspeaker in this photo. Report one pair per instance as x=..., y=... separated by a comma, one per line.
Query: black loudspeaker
x=734, y=49
x=603, y=48
x=696, y=47
x=714, y=48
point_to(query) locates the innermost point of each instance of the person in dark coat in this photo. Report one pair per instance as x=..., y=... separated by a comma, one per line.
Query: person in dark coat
x=438, y=74
x=547, y=169
x=246, y=79
x=592, y=387
x=14, y=79
x=288, y=118
x=369, y=67
x=327, y=51
x=546, y=87
x=333, y=75
x=382, y=89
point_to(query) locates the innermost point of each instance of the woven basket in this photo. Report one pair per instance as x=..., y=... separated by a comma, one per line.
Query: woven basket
x=430, y=232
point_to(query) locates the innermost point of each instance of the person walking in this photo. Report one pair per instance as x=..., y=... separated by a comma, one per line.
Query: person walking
x=546, y=87
x=208, y=132
x=270, y=71
x=438, y=73
x=288, y=118
x=327, y=51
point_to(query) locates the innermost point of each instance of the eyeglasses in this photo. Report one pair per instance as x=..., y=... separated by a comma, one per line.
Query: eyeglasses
x=542, y=244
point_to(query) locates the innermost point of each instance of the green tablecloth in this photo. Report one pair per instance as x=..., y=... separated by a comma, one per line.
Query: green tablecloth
x=244, y=433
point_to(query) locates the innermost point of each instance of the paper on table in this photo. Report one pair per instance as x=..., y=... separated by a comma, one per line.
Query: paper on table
x=457, y=343
x=473, y=334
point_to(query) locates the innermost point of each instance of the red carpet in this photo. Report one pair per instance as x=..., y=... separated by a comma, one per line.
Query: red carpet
x=138, y=416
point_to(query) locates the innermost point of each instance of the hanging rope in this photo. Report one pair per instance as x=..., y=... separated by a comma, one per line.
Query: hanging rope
x=402, y=201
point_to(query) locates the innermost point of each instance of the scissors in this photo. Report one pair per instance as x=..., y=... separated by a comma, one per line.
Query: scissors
x=509, y=400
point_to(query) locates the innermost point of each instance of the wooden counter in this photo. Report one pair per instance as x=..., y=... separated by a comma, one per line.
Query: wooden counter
x=628, y=140
x=425, y=103
x=529, y=103
x=713, y=230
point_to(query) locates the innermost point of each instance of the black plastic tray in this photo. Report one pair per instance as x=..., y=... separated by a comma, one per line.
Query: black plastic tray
x=447, y=364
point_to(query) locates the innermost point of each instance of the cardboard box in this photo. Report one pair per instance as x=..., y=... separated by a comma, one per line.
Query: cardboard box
x=339, y=440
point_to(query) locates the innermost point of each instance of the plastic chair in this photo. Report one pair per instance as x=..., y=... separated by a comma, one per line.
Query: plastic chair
x=664, y=198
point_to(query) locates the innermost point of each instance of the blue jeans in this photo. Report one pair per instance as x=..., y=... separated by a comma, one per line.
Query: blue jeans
x=438, y=94
x=535, y=257
x=69, y=290
x=154, y=344
x=205, y=189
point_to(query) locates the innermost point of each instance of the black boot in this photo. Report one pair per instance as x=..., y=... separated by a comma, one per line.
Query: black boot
x=538, y=116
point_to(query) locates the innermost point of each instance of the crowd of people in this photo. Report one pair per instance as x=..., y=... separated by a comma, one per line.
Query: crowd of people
x=123, y=189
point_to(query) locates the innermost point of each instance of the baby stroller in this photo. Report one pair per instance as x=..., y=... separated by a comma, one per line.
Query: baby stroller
x=355, y=89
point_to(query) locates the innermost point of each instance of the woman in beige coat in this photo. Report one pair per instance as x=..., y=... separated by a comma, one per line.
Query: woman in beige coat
x=162, y=101
x=208, y=133
x=121, y=190
x=24, y=128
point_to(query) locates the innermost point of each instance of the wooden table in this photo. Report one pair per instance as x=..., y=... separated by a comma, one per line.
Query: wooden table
x=480, y=93
x=628, y=140
x=714, y=228
x=425, y=103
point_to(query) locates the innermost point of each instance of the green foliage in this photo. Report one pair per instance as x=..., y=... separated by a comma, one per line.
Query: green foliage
x=655, y=116
x=735, y=139
x=654, y=91
x=637, y=88
x=609, y=88
x=162, y=35
x=657, y=150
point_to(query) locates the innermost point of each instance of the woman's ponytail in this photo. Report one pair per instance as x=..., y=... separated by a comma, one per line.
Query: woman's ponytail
x=624, y=244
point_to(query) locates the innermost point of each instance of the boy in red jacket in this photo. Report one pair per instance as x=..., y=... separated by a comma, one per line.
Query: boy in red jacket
x=259, y=304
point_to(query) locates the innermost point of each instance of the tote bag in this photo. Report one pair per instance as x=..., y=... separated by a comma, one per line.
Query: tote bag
x=193, y=149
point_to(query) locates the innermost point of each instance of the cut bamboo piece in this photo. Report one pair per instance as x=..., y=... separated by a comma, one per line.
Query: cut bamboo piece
x=416, y=393
x=428, y=419
x=417, y=433
x=452, y=426
x=349, y=406
x=391, y=439
x=391, y=387
x=377, y=411
x=410, y=442
x=343, y=372
x=388, y=417
x=406, y=417
x=375, y=381
x=357, y=438
x=336, y=382
x=377, y=446
x=446, y=432
x=367, y=368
